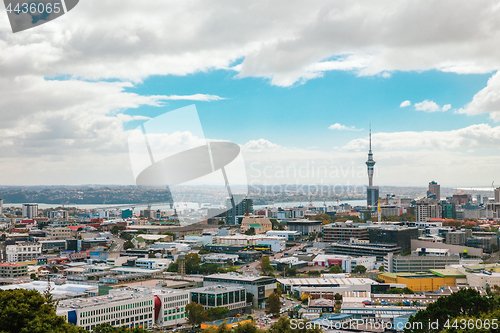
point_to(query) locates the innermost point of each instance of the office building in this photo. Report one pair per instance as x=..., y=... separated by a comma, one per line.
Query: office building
x=243, y=206
x=305, y=227
x=449, y=211
x=458, y=237
x=434, y=191
x=30, y=211
x=497, y=194
x=58, y=232
x=58, y=214
x=415, y=263
x=343, y=232
x=233, y=298
x=359, y=249
x=1, y=207
x=399, y=235
x=23, y=252
x=170, y=306
x=13, y=270
x=259, y=286
x=427, y=209
x=418, y=282
x=120, y=308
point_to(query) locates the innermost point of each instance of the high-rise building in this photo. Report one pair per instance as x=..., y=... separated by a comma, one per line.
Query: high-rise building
x=427, y=208
x=1, y=207
x=30, y=210
x=372, y=192
x=497, y=194
x=434, y=191
x=243, y=206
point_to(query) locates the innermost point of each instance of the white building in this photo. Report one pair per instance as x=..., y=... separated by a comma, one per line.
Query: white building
x=164, y=245
x=152, y=263
x=347, y=263
x=287, y=234
x=119, y=308
x=23, y=252
x=220, y=258
x=277, y=244
x=30, y=211
x=172, y=306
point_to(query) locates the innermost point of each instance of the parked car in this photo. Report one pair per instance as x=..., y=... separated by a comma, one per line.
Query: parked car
x=406, y=303
x=384, y=303
x=367, y=303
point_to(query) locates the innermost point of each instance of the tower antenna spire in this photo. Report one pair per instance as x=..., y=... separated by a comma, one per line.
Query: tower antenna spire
x=370, y=137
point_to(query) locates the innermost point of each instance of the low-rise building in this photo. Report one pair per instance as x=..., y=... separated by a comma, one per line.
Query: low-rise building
x=170, y=306
x=121, y=308
x=13, y=270
x=58, y=232
x=221, y=259
x=416, y=263
x=305, y=227
x=344, y=231
x=231, y=298
x=259, y=286
x=25, y=251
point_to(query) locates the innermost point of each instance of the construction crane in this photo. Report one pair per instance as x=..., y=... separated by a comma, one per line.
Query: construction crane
x=311, y=198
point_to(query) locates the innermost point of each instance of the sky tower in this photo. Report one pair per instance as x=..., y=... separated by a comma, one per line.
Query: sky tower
x=372, y=192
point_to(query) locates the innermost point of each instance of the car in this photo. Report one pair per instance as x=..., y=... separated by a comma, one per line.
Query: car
x=406, y=303
x=384, y=303
x=367, y=303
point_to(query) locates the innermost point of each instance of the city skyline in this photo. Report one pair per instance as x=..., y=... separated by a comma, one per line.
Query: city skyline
x=430, y=93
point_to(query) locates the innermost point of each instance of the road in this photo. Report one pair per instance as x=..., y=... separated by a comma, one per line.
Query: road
x=253, y=268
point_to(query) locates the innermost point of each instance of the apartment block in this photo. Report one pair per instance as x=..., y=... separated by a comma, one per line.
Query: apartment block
x=23, y=252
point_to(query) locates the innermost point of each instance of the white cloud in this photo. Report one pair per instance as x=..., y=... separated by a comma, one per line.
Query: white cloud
x=405, y=104
x=487, y=100
x=260, y=144
x=397, y=154
x=474, y=136
x=446, y=107
x=339, y=127
x=427, y=106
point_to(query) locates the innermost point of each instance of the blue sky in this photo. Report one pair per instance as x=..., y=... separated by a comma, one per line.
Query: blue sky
x=254, y=109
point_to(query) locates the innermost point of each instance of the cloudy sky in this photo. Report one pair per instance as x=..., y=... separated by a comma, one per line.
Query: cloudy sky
x=295, y=83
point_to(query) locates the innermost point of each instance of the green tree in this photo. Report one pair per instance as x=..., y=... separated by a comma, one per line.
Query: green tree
x=273, y=304
x=335, y=269
x=217, y=313
x=221, y=222
x=115, y=230
x=128, y=245
x=381, y=268
x=250, y=231
x=27, y=311
x=173, y=267
x=290, y=271
x=265, y=265
x=337, y=297
x=314, y=273
x=195, y=314
x=283, y=326
x=359, y=269
x=404, y=290
x=463, y=303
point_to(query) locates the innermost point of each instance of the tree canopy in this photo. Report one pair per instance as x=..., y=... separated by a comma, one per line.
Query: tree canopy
x=273, y=304
x=27, y=311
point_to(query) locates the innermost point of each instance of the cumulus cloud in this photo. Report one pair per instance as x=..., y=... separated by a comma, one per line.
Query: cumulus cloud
x=405, y=104
x=260, y=144
x=480, y=136
x=429, y=106
x=340, y=127
x=487, y=100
